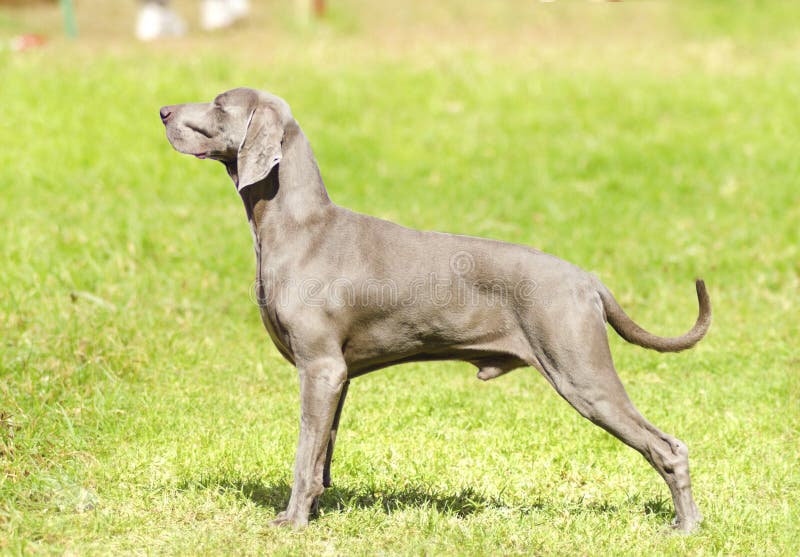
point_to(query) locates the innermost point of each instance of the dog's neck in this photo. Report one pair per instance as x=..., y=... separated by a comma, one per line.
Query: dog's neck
x=291, y=196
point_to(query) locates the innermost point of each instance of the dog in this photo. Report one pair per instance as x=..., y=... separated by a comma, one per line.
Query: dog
x=342, y=294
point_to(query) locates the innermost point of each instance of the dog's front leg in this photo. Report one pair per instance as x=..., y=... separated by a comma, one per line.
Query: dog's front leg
x=321, y=384
x=326, y=473
x=326, y=470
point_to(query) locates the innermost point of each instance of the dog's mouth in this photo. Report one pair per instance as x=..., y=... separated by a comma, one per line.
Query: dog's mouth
x=212, y=155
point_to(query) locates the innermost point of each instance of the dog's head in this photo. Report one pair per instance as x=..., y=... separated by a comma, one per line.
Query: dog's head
x=242, y=128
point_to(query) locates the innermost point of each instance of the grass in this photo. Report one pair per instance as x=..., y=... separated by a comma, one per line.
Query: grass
x=143, y=409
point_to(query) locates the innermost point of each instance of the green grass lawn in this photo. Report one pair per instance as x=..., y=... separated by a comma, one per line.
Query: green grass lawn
x=143, y=407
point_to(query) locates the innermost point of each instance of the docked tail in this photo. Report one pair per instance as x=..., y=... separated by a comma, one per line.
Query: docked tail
x=633, y=333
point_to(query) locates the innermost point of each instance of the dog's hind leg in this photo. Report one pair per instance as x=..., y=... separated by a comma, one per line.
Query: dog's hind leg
x=579, y=365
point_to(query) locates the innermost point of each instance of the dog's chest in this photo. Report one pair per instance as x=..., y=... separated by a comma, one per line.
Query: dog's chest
x=267, y=296
x=278, y=336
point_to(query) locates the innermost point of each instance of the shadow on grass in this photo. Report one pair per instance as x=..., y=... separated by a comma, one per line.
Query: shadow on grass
x=462, y=503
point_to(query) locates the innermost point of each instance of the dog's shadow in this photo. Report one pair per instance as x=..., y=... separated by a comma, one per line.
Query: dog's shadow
x=461, y=503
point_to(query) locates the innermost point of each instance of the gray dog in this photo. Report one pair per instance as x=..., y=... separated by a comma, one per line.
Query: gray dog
x=342, y=294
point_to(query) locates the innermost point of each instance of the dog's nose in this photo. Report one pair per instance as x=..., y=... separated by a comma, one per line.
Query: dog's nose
x=165, y=112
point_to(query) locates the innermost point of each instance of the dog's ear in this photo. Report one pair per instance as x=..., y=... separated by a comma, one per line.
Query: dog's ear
x=260, y=149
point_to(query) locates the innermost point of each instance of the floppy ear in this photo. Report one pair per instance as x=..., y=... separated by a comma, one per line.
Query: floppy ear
x=260, y=150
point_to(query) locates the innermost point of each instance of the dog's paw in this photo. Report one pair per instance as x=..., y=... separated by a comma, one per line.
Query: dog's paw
x=286, y=520
x=687, y=525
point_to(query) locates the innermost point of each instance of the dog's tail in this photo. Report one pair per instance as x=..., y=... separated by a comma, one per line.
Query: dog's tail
x=633, y=333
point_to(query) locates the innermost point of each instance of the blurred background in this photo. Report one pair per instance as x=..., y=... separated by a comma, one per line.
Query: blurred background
x=142, y=406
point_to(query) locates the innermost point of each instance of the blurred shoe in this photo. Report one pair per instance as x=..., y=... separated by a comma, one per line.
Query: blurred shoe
x=216, y=14
x=239, y=8
x=156, y=21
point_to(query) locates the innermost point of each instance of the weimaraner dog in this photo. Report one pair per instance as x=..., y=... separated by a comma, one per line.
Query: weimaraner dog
x=342, y=294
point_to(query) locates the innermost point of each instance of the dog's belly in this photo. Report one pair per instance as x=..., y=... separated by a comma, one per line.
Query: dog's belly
x=491, y=363
x=495, y=341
